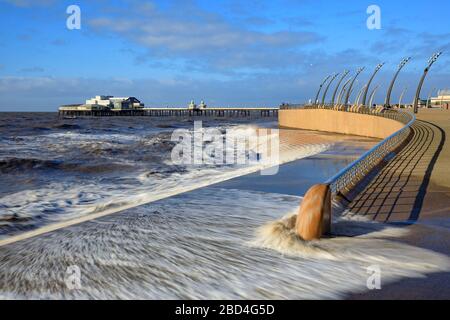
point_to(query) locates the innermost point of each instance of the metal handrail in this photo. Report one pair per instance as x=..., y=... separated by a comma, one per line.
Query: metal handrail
x=355, y=171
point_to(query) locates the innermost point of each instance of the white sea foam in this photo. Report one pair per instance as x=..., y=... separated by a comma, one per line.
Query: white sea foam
x=187, y=248
x=60, y=201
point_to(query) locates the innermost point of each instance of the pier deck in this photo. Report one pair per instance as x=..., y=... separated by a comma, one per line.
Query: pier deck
x=174, y=112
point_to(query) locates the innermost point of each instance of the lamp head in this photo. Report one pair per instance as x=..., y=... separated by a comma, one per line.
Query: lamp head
x=434, y=58
x=379, y=66
x=404, y=62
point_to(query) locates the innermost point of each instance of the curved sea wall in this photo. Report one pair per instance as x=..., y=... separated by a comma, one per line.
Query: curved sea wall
x=358, y=124
x=314, y=215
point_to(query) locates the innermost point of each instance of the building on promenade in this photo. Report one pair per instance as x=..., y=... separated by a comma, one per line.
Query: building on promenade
x=442, y=99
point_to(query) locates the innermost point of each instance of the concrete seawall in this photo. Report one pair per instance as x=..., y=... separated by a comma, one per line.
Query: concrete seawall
x=314, y=215
x=338, y=122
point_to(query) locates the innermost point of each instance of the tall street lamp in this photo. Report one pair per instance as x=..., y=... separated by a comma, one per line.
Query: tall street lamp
x=349, y=91
x=316, y=101
x=401, y=97
x=343, y=90
x=432, y=60
x=372, y=96
x=403, y=63
x=328, y=87
x=359, y=95
x=378, y=67
x=346, y=72
x=429, y=97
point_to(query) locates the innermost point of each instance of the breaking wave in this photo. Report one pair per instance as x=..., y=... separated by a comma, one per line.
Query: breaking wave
x=61, y=176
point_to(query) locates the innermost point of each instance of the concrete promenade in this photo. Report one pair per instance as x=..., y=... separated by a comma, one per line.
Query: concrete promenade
x=414, y=190
x=416, y=183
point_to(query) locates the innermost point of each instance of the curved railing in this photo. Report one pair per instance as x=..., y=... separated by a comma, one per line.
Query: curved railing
x=314, y=215
x=354, y=172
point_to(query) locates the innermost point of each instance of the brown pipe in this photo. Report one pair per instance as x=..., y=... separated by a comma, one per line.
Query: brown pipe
x=314, y=216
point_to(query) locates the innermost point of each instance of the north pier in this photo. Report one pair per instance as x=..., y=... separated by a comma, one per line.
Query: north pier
x=109, y=106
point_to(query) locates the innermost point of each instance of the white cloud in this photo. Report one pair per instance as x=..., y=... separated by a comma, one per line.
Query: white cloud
x=256, y=89
x=205, y=38
x=29, y=3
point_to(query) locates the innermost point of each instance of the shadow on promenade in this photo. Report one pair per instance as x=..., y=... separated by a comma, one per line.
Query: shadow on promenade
x=396, y=192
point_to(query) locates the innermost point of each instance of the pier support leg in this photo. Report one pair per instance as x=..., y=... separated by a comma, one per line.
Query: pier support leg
x=314, y=216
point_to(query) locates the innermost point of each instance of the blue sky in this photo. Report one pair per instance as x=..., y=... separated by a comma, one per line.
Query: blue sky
x=239, y=53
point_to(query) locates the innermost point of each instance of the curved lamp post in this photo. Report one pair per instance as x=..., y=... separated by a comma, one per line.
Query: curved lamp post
x=377, y=68
x=401, y=97
x=359, y=95
x=346, y=72
x=372, y=96
x=387, y=103
x=432, y=60
x=320, y=89
x=429, y=97
x=328, y=87
x=343, y=90
x=349, y=91
x=341, y=98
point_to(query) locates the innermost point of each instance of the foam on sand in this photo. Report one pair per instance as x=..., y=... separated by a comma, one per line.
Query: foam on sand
x=187, y=248
x=354, y=241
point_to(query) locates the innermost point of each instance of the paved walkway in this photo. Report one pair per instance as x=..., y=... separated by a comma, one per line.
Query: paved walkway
x=416, y=183
x=414, y=188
